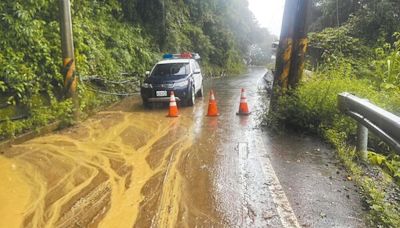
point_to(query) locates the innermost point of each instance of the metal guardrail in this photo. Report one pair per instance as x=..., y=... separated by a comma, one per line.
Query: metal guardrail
x=384, y=124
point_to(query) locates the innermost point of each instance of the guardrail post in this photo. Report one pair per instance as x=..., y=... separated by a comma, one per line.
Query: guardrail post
x=370, y=117
x=362, y=142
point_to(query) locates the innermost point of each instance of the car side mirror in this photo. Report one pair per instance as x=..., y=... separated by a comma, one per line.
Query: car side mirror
x=147, y=73
x=197, y=71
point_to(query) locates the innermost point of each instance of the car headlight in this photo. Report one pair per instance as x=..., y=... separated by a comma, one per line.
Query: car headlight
x=147, y=85
x=181, y=84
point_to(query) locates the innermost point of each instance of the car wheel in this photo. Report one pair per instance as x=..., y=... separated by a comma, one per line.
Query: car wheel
x=192, y=97
x=201, y=91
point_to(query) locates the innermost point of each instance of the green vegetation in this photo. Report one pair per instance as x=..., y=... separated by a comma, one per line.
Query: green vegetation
x=111, y=37
x=30, y=59
x=384, y=212
x=354, y=47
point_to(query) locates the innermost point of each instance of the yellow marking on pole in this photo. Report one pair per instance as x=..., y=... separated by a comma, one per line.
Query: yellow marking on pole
x=288, y=51
x=303, y=44
x=287, y=55
x=69, y=85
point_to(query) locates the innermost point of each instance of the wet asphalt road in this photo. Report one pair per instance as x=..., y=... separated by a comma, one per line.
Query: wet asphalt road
x=134, y=167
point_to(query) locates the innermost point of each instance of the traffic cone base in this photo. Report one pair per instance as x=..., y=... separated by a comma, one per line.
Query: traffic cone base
x=212, y=106
x=243, y=107
x=173, y=108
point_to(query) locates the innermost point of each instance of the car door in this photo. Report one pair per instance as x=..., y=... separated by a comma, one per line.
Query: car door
x=200, y=75
x=196, y=77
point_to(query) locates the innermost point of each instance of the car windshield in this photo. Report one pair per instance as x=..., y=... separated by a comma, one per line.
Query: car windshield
x=171, y=70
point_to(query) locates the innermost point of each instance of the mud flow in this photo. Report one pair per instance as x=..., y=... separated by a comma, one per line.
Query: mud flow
x=133, y=167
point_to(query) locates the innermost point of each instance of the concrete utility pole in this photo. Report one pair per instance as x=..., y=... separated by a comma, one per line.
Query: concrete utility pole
x=292, y=46
x=284, y=54
x=300, y=43
x=67, y=43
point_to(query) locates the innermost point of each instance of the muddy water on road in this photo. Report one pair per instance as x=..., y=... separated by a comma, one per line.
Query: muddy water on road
x=133, y=167
x=97, y=173
x=129, y=166
x=15, y=192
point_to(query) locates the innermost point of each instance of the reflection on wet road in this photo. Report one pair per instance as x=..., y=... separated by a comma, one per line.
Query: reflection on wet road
x=133, y=167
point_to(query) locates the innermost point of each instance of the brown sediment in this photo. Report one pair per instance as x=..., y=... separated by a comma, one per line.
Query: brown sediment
x=135, y=137
x=160, y=149
x=118, y=169
x=88, y=210
x=151, y=192
x=77, y=132
x=198, y=204
x=15, y=192
x=92, y=174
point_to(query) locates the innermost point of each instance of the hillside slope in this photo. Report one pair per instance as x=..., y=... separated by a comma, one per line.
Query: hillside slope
x=110, y=37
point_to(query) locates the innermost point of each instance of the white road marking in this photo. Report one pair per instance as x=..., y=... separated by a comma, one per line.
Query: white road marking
x=285, y=211
x=243, y=155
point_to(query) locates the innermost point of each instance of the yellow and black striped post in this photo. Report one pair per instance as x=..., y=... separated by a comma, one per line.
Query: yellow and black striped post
x=70, y=78
x=285, y=49
x=301, y=43
x=292, y=46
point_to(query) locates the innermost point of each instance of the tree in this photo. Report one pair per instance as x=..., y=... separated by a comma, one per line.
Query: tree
x=371, y=20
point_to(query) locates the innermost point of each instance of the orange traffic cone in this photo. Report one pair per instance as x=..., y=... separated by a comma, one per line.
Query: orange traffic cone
x=243, y=108
x=173, y=108
x=212, y=106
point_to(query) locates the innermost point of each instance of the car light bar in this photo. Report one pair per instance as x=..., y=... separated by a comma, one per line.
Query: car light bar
x=186, y=55
x=183, y=55
x=168, y=56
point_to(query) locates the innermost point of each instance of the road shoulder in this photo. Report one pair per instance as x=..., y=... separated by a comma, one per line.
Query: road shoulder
x=318, y=187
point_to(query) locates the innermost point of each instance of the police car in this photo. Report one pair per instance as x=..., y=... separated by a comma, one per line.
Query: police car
x=179, y=73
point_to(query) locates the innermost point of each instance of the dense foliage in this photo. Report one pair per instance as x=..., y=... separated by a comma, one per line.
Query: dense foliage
x=111, y=37
x=354, y=47
x=375, y=21
x=221, y=31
